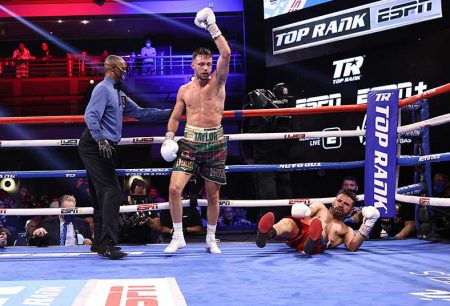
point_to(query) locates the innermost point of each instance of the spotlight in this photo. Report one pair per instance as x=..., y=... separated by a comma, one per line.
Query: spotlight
x=8, y=184
x=99, y=2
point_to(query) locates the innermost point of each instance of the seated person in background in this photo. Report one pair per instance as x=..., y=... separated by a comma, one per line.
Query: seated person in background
x=192, y=221
x=140, y=227
x=441, y=215
x=23, y=239
x=63, y=229
x=312, y=229
x=3, y=239
x=81, y=192
x=4, y=236
x=440, y=183
x=90, y=221
x=229, y=219
x=400, y=227
x=54, y=203
x=148, y=54
x=351, y=183
x=154, y=193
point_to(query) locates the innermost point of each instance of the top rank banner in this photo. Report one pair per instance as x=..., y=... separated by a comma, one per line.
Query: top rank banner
x=357, y=21
x=381, y=151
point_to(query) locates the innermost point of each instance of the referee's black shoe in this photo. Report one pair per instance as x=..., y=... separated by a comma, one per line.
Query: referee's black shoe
x=110, y=251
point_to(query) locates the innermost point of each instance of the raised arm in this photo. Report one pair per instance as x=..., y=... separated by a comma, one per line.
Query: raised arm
x=223, y=63
x=206, y=19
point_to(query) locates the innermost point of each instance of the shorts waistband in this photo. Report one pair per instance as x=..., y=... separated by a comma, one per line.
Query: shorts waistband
x=198, y=134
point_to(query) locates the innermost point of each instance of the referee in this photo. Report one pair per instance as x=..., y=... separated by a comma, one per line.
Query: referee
x=98, y=151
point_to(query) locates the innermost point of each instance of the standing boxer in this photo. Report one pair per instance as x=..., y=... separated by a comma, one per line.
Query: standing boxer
x=312, y=229
x=98, y=151
x=203, y=147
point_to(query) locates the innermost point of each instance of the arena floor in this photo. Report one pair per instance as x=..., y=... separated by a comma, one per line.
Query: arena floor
x=408, y=272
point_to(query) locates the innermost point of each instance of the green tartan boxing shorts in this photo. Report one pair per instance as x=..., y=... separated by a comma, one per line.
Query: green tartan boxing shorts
x=203, y=151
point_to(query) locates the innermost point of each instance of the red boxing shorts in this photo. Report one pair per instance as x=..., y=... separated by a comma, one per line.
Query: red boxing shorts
x=298, y=242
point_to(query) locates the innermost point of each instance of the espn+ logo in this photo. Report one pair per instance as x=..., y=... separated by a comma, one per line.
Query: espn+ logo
x=348, y=70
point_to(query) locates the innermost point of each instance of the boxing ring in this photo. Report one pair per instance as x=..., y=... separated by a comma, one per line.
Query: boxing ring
x=392, y=272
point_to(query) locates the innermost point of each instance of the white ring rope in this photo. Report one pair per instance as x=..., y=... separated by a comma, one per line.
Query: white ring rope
x=443, y=202
x=439, y=120
x=158, y=206
x=234, y=137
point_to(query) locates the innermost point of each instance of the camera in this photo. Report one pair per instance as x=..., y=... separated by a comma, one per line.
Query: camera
x=265, y=99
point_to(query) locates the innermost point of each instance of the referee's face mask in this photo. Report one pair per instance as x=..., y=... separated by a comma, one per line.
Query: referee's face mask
x=122, y=76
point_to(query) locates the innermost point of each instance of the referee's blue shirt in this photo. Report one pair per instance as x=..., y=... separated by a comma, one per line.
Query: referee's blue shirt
x=104, y=113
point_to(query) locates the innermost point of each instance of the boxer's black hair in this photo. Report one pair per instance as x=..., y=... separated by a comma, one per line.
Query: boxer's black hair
x=350, y=194
x=202, y=52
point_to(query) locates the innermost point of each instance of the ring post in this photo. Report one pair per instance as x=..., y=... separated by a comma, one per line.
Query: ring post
x=381, y=151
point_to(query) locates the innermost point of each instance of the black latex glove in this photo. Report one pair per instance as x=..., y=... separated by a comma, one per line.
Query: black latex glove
x=105, y=149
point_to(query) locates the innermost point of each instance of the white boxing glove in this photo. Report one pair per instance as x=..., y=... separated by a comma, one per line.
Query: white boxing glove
x=169, y=147
x=371, y=215
x=206, y=19
x=300, y=210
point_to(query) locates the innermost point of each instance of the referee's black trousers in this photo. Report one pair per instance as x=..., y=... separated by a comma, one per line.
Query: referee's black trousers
x=104, y=189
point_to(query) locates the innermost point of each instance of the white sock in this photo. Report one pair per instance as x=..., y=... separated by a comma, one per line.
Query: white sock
x=211, y=230
x=178, y=229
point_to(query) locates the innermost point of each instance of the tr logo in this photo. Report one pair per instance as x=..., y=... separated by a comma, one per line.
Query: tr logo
x=382, y=97
x=348, y=70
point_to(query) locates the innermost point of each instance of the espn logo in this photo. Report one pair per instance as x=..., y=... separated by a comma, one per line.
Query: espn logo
x=224, y=203
x=132, y=295
x=348, y=70
x=304, y=201
x=145, y=207
x=404, y=10
x=72, y=210
x=424, y=201
x=325, y=100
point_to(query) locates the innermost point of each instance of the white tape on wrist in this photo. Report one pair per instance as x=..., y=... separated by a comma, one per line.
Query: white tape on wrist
x=170, y=135
x=214, y=30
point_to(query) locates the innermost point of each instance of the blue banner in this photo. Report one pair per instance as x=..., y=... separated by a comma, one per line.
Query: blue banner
x=381, y=151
